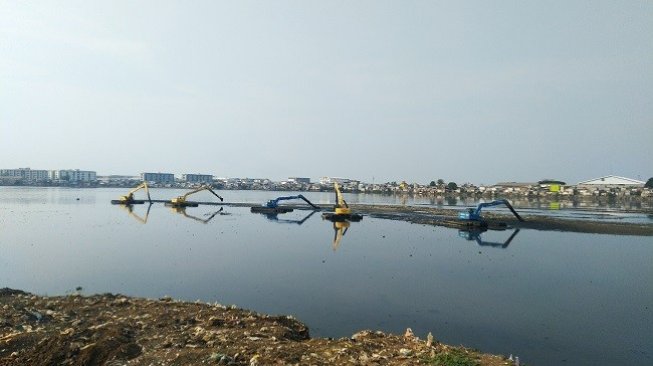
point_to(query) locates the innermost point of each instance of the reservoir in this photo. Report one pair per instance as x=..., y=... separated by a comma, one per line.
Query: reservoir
x=549, y=297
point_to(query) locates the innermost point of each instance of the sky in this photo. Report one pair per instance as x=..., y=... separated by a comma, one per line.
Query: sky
x=465, y=91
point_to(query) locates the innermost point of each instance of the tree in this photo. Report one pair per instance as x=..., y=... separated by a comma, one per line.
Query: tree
x=649, y=183
x=452, y=186
x=440, y=182
x=432, y=184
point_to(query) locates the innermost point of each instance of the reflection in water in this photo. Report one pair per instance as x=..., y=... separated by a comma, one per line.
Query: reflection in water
x=182, y=210
x=130, y=210
x=340, y=228
x=475, y=234
x=541, y=299
x=275, y=217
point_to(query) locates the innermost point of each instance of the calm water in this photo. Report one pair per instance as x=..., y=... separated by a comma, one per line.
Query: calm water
x=550, y=297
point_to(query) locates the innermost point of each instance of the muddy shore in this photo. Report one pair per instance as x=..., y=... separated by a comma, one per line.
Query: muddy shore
x=442, y=216
x=119, y=330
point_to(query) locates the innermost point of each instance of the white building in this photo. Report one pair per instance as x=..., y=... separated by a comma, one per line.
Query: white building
x=158, y=177
x=341, y=181
x=73, y=175
x=25, y=174
x=612, y=181
x=299, y=180
x=197, y=178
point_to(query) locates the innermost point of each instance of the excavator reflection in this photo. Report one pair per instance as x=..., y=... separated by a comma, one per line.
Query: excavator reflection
x=275, y=217
x=182, y=211
x=475, y=235
x=340, y=229
x=130, y=210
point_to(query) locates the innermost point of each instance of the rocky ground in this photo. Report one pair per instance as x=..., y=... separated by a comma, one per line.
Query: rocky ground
x=118, y=330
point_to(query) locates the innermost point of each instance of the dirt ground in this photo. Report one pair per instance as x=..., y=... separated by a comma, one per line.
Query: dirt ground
x=118, y=330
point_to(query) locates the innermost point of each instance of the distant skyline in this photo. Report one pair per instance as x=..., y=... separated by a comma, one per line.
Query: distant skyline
x=472, y=91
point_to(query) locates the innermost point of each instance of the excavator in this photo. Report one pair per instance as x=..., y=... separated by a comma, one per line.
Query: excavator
x=341, y=211
x=181, y=200
x=128, y=199
x=272, y=206
x=472, y=217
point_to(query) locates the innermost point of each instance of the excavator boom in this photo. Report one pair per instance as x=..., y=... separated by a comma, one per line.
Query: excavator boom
x=342, y=208
x=275, y=202
x=475, y=215
x=128, y=199
x=181, y=200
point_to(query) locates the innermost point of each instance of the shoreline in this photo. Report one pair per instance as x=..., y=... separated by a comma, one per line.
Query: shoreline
x=442, y=217
x=116, y=329
x=636, y=204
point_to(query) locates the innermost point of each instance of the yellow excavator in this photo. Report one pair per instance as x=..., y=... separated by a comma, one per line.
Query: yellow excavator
x=128, y=199
x=341, y=211
x=181, y=200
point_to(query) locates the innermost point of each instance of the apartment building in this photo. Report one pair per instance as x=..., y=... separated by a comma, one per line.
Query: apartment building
x=25, y=174
x=197, y=178
x=158, y=177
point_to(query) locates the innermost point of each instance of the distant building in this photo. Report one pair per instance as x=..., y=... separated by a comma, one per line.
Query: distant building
x=116, y=178
x=299, y=180
x=158, y=177
x=25, y=174
x=197, y=178
x=515, y=184
x=73, y=175
x=612, y=181
x=331, y=180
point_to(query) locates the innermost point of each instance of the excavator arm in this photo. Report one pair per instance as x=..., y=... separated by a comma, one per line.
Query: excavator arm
x=275, y=202
x=181, y=199
x=342, y=208
x=129, y=197
x=476, y=214
x=141, y=186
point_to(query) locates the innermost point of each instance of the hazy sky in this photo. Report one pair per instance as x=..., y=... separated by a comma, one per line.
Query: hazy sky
x=466, y=91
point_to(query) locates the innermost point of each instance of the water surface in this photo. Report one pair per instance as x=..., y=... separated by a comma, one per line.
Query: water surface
x=550, y=297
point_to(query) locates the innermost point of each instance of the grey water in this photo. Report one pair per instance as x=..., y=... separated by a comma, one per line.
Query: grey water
x=549, y=297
